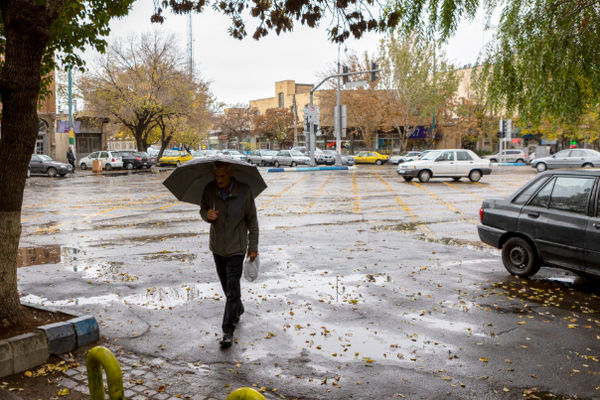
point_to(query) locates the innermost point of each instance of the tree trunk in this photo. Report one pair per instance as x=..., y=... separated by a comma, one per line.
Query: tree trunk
x=27, y=30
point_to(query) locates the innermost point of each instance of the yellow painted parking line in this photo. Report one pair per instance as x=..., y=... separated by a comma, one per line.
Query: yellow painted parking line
x=463, y=190
x=355, y=189
x=312, y=203
x=445, y=203
x=404, y=207
x=169, y=205
x=278, y=195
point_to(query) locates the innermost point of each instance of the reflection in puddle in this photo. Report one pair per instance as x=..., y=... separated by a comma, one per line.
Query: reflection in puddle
x=27, y=256
x=78, y=301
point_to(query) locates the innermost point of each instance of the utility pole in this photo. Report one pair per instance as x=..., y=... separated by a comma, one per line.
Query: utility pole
x=295, y=106
x=190, y=45
x=338, y=116
x=70, y=94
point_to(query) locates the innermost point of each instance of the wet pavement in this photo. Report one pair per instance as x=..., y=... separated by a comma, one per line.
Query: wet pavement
x=370, y=288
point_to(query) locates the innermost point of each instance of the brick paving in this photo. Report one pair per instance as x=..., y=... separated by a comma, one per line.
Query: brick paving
x=153, y=378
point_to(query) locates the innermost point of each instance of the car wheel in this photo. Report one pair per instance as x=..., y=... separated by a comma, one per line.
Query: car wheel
x=293, y=164
x=51, y=172
x=456, y=178
x=108, y=167
x=475, y=175
x=541, y=167
x=129, y=166
x=83, y=166
x=262, y=163
x=276, y=164
x=407, y=178
x=378, y=162
x=424, y=176
x=493, y=160
x=519, y=257
x=520, y=160
x=588, y=165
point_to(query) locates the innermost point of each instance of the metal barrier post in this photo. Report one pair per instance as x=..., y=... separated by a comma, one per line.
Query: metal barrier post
x=245, y=393
x=100, y=358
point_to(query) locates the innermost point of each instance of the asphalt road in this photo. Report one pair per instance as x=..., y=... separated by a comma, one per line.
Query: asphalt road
x=370, y=288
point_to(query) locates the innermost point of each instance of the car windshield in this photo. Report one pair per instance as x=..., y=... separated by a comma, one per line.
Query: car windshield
x=432, y=155
x=234, y=152
x=172, y=153
x=45, y=157
x=296, y=153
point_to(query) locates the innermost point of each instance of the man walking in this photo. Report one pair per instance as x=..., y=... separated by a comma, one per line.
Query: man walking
x=228, y=205
x=71, y=157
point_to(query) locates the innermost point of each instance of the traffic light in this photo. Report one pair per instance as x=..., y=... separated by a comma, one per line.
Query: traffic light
x=345, y=71
x=374, y=73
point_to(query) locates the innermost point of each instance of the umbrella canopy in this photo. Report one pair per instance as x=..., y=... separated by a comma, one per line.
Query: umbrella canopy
x=188, y=181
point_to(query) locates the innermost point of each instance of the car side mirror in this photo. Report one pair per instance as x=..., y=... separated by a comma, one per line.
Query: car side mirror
x=439, y=159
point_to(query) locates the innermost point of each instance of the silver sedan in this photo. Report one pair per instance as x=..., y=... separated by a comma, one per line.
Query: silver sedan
x=572, y=158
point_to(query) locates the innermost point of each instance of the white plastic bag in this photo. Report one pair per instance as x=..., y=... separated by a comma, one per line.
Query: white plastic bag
x=251, y=269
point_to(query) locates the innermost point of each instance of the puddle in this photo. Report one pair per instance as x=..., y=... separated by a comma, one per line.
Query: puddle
x=27, y=256
x=169, y=297
x=42, y=301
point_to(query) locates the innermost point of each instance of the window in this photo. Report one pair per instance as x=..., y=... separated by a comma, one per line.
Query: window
x=514, y=152
x=463, y=156
x=93, y=155
x=577, y=153
x=531, y=189
x=564, y=153
x=571, y=194
x=281, y=100
x=35, y=158
x=104, y=154
x=446, y=156
x=543, y=196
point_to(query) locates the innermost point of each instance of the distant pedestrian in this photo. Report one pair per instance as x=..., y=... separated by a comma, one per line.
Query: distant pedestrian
x=228, y=205
x=71, y=157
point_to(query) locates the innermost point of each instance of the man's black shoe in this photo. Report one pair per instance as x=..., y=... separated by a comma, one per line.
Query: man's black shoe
x=237, y=320
x=226, y=341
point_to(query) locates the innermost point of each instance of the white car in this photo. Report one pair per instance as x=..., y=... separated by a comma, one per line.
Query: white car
x=410, y=156
x=236, y=155
x=451, y=163
x=110, y=160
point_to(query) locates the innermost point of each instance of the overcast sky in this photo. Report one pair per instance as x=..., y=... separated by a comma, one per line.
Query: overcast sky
x=244, y=70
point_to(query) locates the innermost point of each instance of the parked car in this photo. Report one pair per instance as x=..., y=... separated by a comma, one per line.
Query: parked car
x=43, y=164
x=133, y=159
x=175, y=157
x=410, y=156
x=451, y=163
x=261, y=157
x=554, y=220
x=291, y=158
x=151, y=159
x=511, y=156
x=324, y=157
x=236, y=155
x=110, y=160
x=572, y=158
x=301, y=149
x=370, y=157
x=346, y=160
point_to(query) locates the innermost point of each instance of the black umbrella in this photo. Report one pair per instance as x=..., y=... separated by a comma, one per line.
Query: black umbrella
x=188, y=181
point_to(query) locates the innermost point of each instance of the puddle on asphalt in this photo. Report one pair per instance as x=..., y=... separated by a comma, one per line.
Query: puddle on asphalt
x=567, y=292
x=27, y=256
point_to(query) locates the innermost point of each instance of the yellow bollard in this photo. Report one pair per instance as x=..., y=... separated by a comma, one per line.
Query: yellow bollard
x=245, y=394
x=100, y=358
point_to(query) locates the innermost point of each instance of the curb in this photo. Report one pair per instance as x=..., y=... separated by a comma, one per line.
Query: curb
x=508, y=164
x=23, y=352
x=309, y=169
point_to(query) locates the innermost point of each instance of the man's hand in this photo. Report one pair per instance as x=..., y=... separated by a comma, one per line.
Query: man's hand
x=212, y=215
x=252, y=255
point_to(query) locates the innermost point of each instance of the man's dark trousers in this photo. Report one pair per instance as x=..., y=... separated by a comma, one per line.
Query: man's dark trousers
x=230, y=272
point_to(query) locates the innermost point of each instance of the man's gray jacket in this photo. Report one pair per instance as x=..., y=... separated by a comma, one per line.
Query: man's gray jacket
x=236, y=229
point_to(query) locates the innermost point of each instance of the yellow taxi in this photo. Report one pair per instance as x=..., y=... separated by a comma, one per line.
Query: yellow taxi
x=175, y=157
x=370, y=157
